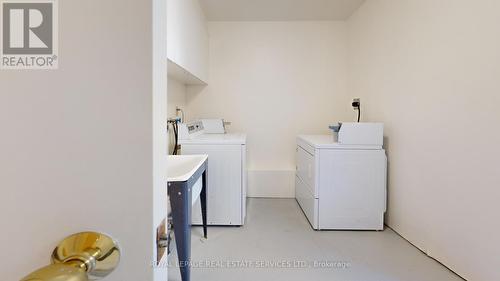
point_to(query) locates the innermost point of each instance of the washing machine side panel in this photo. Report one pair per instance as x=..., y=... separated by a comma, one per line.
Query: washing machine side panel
x=244, y=182
x=224, y=183
x=352, y=189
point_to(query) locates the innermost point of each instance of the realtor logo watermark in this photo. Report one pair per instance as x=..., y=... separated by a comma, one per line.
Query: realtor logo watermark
x=29, y=34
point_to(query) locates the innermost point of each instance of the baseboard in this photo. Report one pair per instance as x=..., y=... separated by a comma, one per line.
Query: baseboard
x=271, y=184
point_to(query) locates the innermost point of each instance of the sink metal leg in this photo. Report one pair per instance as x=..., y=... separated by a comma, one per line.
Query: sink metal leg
x=203, y=199
x=180, y=199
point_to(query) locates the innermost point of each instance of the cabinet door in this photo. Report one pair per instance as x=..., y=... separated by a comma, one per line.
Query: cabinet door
x=224, y=183
x=306, y=169
x=188, y=37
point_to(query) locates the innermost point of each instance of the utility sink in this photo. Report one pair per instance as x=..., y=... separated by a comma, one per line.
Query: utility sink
x=182, y=167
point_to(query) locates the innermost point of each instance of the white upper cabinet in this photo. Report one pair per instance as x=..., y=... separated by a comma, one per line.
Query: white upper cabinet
x=187, y=41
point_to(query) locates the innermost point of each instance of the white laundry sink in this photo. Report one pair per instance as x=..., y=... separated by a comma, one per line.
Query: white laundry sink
x=182, y=167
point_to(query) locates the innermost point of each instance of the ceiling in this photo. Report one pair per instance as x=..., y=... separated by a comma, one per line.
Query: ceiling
x=279, y=10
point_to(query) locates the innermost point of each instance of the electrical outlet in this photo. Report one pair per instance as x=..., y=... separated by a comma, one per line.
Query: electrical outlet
x=356, y=103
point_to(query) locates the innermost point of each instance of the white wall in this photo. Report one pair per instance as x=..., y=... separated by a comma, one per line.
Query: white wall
x=430, y=71
x=77, y=143
x=274, y=80
x=176, y=96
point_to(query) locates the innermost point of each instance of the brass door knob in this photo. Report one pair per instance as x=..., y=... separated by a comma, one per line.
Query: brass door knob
x=80, y=257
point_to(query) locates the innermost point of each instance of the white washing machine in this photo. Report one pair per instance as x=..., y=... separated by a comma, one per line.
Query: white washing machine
x=227, y=173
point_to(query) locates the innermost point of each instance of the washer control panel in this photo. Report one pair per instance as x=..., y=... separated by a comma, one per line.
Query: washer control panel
x=191, y=130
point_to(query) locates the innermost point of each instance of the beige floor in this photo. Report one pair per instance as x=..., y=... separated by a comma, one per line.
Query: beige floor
x=277, y=243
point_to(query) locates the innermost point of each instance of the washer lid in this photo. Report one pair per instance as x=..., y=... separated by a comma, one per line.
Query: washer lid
x=216, y=139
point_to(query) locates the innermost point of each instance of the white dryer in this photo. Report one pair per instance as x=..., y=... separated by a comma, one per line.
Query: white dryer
x=341, y=184
x=227, y=173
